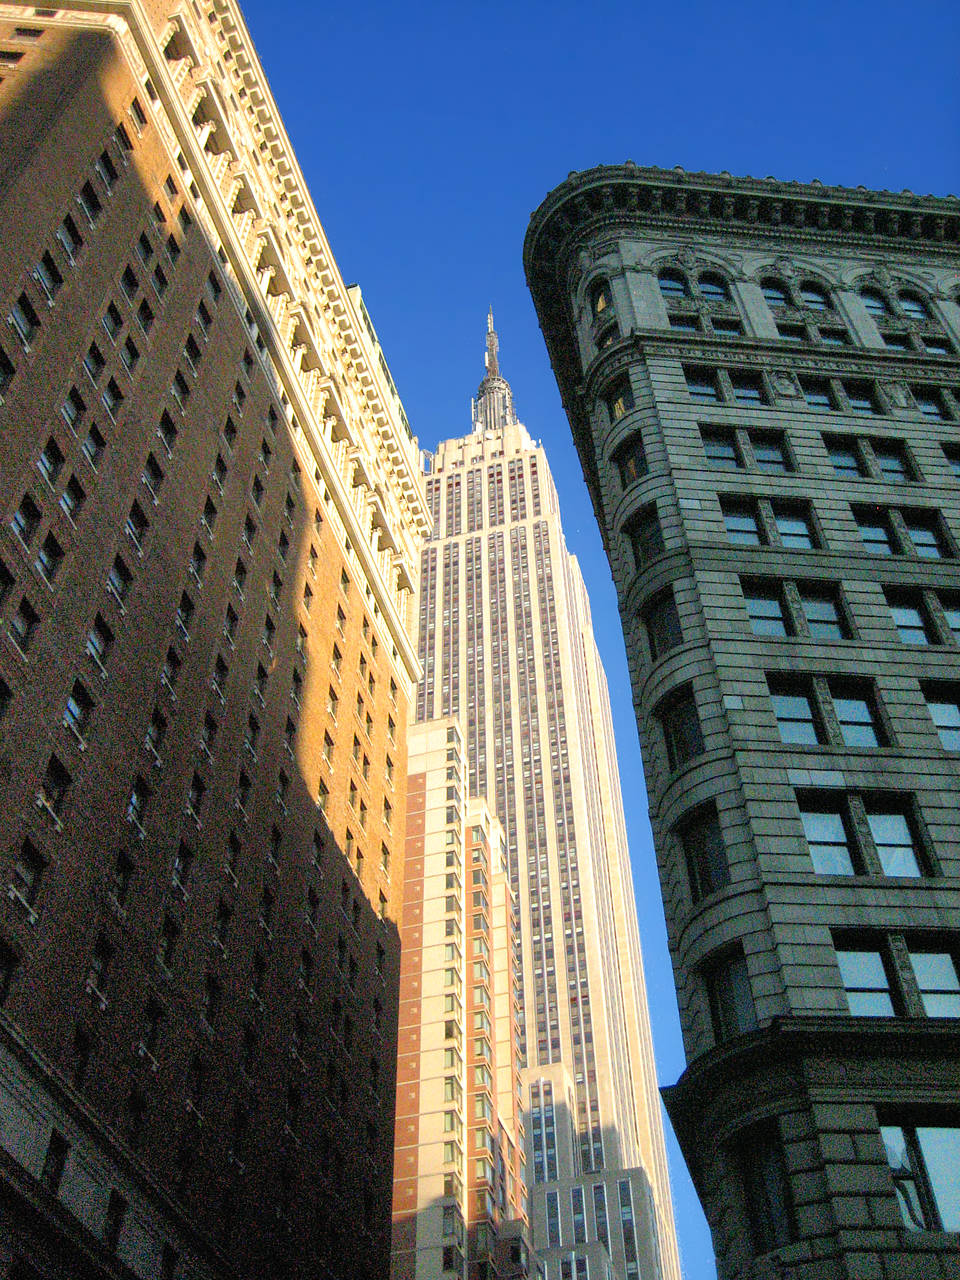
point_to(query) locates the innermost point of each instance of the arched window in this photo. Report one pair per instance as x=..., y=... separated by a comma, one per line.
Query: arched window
x=601, y=299
x=814, y=297
x=775, y=292
x=914, y=306
x=673, y=285
x=875, y=302
x=713, y=287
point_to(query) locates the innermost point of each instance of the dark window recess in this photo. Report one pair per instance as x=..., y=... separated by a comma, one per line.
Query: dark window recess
x=766, y=1191
x=646, y=538
x=662, y=624
x=619, y=398
x=704, y=851
x=731, y=999
x=681, y=729
x=631, y=461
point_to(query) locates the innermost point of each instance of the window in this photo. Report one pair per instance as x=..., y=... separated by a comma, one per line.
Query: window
x=926, y=535
x=553, y=1219
x=119, y=579
x=702, y=385
x=673, y=285
x=892, y=461
x=72, y=499
x=24, y=319
x=99, y=642
x=938, y=981
x=748, y=388
x=741, y=522
x=54, y=786
x=845, y=456
x=797, y=716
x=770, y=453
x=78, y=710
x=866, y=982
x=775, y=292
x=25, y=520
x=720, y=447
x=23, y=625
x=874, y=526
x=814, y=297
x=923, y=1160
x=646, y=539
x=875, y=303
x=727, y=983
x=28, y=869
x=910, y=615
x=662, y=624
x=943, y=703
x=713, y=287
x=631, y=461
x=704, y=851
x=766, y=610
x=619, y=398
x=49, y=558
x=816, y=393
x=55, y=1162
x=47, y=276
x=913, y=306
x=862, y=398
x=70, y=238
x=794, y=525
x=823, y=614
x=766, y=1190
x=681, y=728
x=828, y=838
x=929, y=401
x=856, y=715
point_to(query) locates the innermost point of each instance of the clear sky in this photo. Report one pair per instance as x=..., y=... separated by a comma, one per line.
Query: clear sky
x=428, y=132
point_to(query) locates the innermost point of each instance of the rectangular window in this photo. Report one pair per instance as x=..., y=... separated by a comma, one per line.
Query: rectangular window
x=704, y=852
x=770, y=453
x=874, y=526
x=910, y=616
x=646, y=538
x=828, y=839
x=768, y=1203
x=816, y=393
x=741, y=522
x=631, y=461
x=702, y=385
x=681, y=729
x=943, y=703
x=892, y=461
x=926, y=535
x=856, y=714
x=821, y=609
x=924, y=1160
x=731, y=999
x=866, y=982
x=766, y=610
x=794, y=526
x=553, y=1219
x=796, y=714
x=662, y=624
x=939, y=982
x=720, y=447
x=748, y=388
x=895, y=840
x=619, y=398
x=845, y=456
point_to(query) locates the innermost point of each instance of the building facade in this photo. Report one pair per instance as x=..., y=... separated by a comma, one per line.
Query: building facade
x=506, y=644
x=764, y=387
x=211, y=514
x=460, y=1198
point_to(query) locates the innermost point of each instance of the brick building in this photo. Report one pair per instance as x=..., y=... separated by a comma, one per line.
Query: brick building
x=211, y=514
x=763, y=383
x=460, y=1195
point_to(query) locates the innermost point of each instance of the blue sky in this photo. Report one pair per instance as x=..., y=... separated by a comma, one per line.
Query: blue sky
x=429, y=132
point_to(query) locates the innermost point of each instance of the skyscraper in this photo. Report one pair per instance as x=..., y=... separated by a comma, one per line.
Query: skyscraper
x=211, y=510
x=763, y=383
x=506, y=645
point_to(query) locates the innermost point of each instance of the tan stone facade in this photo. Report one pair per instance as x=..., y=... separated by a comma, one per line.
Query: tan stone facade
x=211, y=513
x=506, y=644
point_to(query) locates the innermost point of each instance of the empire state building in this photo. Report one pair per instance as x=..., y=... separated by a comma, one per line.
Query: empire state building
x=506, y=644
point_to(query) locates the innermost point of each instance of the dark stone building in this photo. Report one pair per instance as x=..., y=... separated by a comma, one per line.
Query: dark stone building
x=211, y=514
x=763, y=383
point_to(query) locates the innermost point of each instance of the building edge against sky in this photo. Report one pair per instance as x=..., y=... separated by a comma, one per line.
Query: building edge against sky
x=212, y=510
x=763, y=384
x=506, y=644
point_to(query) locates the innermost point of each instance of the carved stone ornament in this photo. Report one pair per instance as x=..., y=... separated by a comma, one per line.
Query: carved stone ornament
x=785, y=268
x=687, y=257
x=882, y=276
x=584, y=261
x=784, y=385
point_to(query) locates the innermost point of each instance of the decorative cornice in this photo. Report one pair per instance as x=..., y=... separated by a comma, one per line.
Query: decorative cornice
x=800, y=215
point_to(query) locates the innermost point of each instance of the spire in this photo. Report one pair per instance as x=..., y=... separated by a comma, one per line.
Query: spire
x=493, y=407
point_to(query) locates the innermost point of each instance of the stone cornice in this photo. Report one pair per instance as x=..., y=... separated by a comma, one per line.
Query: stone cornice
x=792, y=214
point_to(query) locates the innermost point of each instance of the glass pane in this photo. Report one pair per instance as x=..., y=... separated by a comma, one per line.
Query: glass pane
x=870, y=1004
x=827, y=840
x=795, y=718
x=946, y=716
x=856, y=722
x=794, y=531
x=742, y=527
x=941, y=1154
x=862, y=970
x=766, y=616
x=935, y=971
x=892, y=836
x=904, y=1176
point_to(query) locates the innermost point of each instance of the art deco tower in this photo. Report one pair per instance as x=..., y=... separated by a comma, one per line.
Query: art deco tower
x=506, y=644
